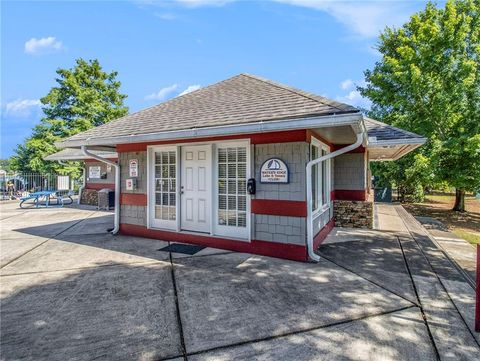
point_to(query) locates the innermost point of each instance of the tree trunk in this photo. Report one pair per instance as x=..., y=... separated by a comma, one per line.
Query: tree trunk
x=459, y=200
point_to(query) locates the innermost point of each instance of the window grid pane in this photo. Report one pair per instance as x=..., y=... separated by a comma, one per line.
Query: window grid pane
x=232, y=192
x=165, y=185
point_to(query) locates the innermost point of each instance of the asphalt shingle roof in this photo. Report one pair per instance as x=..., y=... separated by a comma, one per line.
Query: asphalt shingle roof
x=385, y=132
x=77, y=154
x=242, y=99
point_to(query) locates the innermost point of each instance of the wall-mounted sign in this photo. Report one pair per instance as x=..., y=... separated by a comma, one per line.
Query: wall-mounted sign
x=94, y=171
x=133, y=168
x=274, y=170
x=130, y=184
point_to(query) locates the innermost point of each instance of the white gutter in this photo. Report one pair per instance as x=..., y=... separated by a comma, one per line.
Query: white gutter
x=116, y=226
x=257, y=127
x=311, y=252
x=393, y=142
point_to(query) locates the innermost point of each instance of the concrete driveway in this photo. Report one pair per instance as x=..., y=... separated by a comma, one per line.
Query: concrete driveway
x=70, y=291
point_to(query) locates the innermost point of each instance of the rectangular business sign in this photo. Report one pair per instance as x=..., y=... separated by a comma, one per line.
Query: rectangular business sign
x=274, y=170
x=94, y=172
x=133, y=168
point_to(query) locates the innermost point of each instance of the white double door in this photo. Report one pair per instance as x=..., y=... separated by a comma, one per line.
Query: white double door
x=196, y=188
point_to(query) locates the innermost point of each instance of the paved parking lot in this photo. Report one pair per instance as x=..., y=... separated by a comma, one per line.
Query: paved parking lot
x=72, y=291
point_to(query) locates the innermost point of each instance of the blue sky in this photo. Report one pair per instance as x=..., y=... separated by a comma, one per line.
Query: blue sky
x=164, y=48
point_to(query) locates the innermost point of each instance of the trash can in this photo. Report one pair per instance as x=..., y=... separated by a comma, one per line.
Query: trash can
x=106, y=199
x=383, y=194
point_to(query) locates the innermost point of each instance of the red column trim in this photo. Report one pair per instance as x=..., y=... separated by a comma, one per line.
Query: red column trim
x=320, y=237
x=98, y=186
x=133, y=199
x=255, y=138
x=351, y=195
x=279, y=207
x=477, y=306
x=264, y=248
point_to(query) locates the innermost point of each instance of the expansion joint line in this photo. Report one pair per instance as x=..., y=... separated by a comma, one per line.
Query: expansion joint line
x=270, y=338
x=438, y=277
x=48, y=239
x=370, y=281
x=177, y=308
x=424, y=317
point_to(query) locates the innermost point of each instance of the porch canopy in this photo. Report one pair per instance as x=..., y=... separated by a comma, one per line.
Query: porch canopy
x=75, y=154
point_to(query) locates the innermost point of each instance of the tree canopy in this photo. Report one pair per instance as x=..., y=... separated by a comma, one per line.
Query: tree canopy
x=428, y=81
x=84, y=97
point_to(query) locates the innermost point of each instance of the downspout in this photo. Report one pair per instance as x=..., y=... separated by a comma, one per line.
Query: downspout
x=311, y=252
x=116, y=226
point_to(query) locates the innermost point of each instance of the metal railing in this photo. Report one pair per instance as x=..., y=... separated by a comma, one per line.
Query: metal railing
x=16, y=184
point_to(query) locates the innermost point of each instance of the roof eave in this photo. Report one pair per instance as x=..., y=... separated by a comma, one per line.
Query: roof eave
x=399, y=141
x=342, y=119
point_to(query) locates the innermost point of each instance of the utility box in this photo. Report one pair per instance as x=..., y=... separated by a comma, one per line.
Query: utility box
x=106, y=199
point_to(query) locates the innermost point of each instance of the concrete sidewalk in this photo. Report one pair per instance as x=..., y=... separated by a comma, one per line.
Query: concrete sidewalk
x=460, y=251
x=72, y=291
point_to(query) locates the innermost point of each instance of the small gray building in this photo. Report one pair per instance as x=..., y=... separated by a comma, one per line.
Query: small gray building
x=245, y=164
x=97, y=175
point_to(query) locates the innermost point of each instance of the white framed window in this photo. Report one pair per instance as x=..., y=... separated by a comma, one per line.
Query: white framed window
x=232, y=210
x=321, y=177
x=163, y=187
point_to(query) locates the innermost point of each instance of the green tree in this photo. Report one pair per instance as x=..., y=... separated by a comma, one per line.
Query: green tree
x=84, y=97
x=428, y=81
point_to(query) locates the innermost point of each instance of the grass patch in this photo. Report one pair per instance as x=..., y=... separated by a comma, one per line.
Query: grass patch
x=467, y=236
x=439, y=206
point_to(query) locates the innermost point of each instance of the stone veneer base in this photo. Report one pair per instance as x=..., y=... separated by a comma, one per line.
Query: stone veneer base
x=354, y=214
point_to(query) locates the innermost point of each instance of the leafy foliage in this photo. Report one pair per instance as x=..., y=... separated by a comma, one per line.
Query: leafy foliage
x=428, y=81
x=85, y=97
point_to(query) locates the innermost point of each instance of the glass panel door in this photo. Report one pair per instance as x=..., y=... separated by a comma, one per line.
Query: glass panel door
x=164, y=195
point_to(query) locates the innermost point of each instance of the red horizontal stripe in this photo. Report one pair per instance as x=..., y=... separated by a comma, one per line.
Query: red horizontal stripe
x=320, y=237
x=98, y=186
x=255, y=138
x=264, y=248
x=133, y=199
x=279, y=207
x=351, y=195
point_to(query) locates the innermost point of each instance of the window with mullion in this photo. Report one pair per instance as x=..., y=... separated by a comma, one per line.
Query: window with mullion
x=232, y=193
x=165, y=185
x=320, y=174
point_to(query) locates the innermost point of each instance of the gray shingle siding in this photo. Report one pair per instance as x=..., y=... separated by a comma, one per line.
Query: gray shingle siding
x=294, y=154
x=124, y=159
x=350, y=172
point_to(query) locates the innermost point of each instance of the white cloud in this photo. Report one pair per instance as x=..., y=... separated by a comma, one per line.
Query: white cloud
x=163, y=93
x=42, y=45
x=199, y=3
x=365, y=18
x=21, y=107
x=346, y=84
x=355, y=98
x=190, y=88
x=165, y=16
